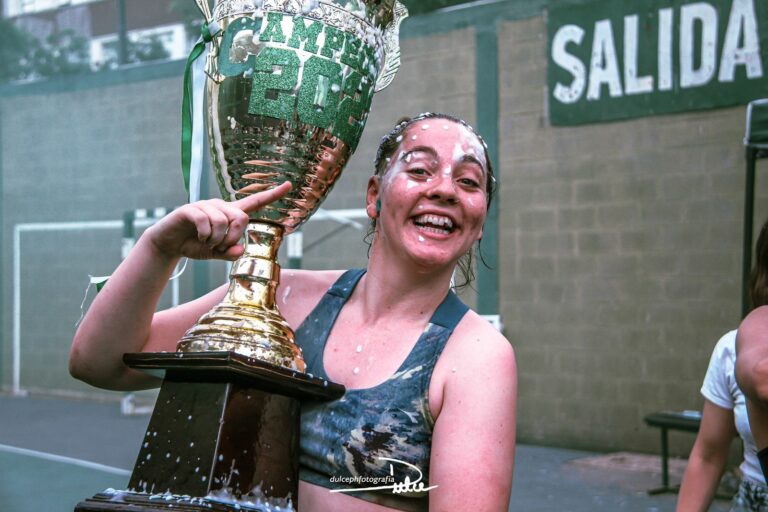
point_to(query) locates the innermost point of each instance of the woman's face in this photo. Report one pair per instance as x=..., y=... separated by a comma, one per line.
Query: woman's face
x=432, y=193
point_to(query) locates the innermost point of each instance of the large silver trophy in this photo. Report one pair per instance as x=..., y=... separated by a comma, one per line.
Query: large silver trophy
x=289, y=88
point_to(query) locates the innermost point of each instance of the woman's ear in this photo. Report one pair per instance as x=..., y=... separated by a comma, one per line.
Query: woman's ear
x=372, y=198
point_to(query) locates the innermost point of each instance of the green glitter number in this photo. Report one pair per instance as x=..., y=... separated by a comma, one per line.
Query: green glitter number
x=280, y=85
x=226, y=66
x=351, y=119
x=317, y=99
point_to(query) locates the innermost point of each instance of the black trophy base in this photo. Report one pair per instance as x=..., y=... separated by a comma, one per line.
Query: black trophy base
x=224, y=435
x=124, y=501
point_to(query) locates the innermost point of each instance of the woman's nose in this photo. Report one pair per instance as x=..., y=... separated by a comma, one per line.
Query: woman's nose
x=442, y=186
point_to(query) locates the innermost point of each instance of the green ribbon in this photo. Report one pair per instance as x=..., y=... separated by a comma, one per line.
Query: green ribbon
x=186, y=104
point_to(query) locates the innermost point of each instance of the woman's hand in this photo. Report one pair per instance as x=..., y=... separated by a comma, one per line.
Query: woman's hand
x=209, y=229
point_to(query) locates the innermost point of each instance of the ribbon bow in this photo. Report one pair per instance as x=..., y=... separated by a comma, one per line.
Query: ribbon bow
x=208, y=30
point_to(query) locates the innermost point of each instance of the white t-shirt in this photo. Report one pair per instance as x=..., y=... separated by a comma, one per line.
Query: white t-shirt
x=721, y=389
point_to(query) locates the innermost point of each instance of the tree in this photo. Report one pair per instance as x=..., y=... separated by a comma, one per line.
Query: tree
x=16, y=50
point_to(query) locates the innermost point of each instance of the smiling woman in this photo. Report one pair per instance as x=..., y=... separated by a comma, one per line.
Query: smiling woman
x=429, y=413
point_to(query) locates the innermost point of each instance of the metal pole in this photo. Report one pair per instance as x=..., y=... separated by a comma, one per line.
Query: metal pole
x=749, y=207
x=122, y=34
x=487, y=108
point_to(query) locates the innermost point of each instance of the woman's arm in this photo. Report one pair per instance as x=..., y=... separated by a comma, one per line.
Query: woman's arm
x=707, y=460
x=122, y=317
x=473, y=442
x=752, y=371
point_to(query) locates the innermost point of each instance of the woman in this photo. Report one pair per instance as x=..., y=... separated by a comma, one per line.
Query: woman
x=725, y=416
x=396, y=334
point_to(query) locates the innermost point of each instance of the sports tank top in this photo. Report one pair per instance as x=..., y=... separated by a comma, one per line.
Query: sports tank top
x=343, y=441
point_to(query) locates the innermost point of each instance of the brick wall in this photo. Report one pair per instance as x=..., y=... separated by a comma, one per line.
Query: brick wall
x=622, y=250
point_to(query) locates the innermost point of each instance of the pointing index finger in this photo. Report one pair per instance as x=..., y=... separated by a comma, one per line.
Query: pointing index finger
x=260, y=199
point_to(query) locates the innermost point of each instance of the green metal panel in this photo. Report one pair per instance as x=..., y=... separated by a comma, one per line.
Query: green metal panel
x=487, y=107
x=473, y=14
x=614, y=60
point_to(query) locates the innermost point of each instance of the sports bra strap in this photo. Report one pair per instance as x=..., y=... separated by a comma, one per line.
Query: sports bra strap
x=346, y=283
x=450, y=312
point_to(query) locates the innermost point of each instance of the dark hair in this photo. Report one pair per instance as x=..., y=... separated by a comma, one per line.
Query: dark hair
x=389, y=144
x=758, y=282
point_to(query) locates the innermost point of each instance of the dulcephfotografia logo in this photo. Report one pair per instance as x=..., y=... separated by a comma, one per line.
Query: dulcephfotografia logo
x=397, y=487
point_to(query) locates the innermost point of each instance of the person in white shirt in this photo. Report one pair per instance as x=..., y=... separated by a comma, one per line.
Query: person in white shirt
x=725, y=416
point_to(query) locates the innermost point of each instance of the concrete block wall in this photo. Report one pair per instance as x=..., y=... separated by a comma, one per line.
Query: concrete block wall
x=80, y=152
x=621, y=245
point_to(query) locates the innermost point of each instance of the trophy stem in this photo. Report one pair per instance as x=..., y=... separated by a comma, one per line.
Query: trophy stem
x=248, y=321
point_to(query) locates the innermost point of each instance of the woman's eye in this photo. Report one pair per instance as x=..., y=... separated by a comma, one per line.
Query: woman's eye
x=469, y=182
x=418, y=171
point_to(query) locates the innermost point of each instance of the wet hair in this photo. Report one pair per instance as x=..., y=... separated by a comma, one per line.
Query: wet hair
x=389, y=144
x=758, y=282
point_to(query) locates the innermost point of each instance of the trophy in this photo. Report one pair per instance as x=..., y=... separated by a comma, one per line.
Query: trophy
x=289, y=89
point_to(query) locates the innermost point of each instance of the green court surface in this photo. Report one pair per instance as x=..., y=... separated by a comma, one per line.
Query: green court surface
x=34, y=484
x=56, y=452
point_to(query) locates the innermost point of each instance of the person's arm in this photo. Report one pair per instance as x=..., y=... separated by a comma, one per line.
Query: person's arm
x=707, y=460
x=752, y=371
x=473, y=442
x=122, y=317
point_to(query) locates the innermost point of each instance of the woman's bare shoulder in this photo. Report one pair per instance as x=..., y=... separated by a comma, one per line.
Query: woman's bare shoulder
x=301, y=290
x=309, y=281
x=476, y=346
x=477, y=337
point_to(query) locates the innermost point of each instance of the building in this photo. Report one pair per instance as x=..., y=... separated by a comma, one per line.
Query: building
x=99, y=22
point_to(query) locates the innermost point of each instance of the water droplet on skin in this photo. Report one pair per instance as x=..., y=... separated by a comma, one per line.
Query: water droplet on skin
x=359, y=348
x=356, y=370
x=414, y=137
x=425, y=127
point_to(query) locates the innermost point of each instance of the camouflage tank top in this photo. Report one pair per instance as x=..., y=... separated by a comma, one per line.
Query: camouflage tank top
x=350, y=442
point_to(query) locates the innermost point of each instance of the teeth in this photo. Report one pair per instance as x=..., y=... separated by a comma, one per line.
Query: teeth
x=435, y=220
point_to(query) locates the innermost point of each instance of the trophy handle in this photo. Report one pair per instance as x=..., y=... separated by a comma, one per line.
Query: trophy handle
x=391, y=47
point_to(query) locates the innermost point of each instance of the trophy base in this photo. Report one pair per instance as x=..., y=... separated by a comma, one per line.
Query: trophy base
x=224, y=436
x=123, y=501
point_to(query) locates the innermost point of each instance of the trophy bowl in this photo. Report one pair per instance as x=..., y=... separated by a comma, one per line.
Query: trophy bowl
x=289, y=88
